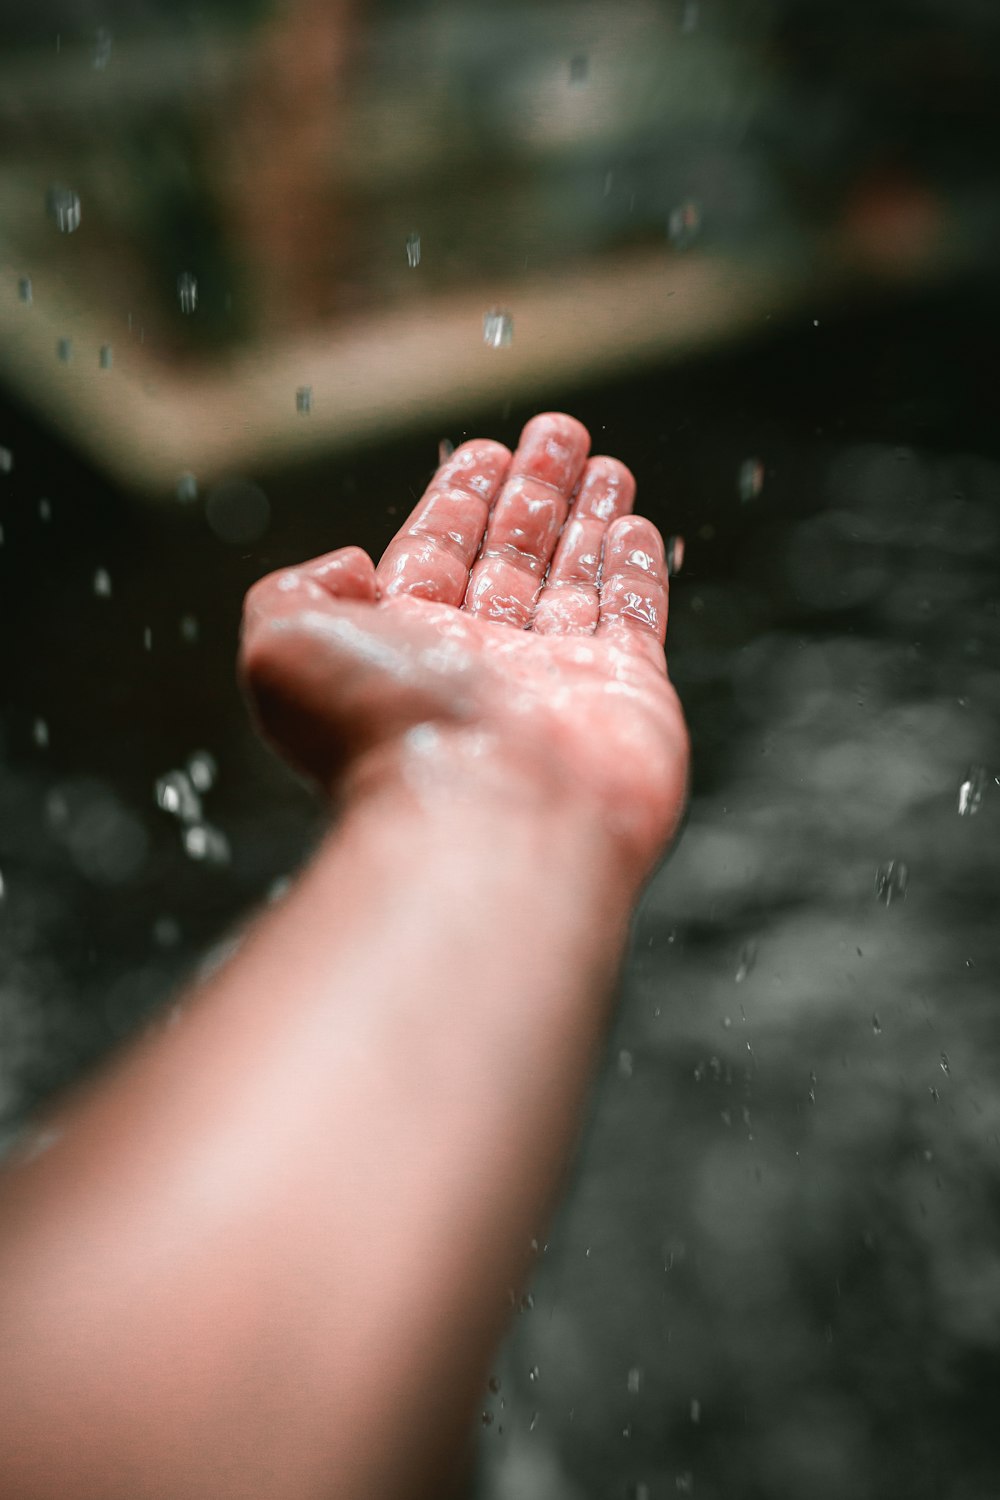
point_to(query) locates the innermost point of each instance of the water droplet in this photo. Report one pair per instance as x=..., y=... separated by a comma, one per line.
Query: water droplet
x=695, y=1411
x=634, y=1380
x=445, y=449
x=6, y=461
x=413, y=251
x=64, y=350
x=147, y=638
x=627, y=1430
x=876, y=1025
x=970, y=793
x=25, y=290
x=891, y=879
x=751, y=480
x=40, y=732
x=498, y=328
x=748, y=957
x=683, y=225
x=527, y=1302
x=203, y=842
x=237, y=511
x=625, y=1064
x=106, y=358
x=102, y=49
x=684, y=1483
x=487, y=1419
x=945, y=1064
x=102, y=583
x=304, y=400
x=203, y=770
x=176, y=796
x=44, y=509
x=579, y=67
x=189, y=629
x=675, y=555
x=533, y=1373
x=187, y=292
x=533, y=1422
x=689, y=17
x=63, y=206
x=187, y=488
x=494, y=1384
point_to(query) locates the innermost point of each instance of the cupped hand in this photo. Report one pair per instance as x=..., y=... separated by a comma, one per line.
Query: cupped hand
x=516, y=621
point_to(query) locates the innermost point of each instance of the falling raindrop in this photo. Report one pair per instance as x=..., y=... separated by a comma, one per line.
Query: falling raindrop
x=891, y=880
x=579, y=66
x=176, y=796
x=187, y=488
x=64, y=349
x=945, y=1064
x=102, y=583
x=40, y=732
x=748, y=957
x=634, y=1380
x=498, y=328
x=970, y=793
x=25, y=290
x=147, y=638
x=533, y=1373
x=695, y=1410
x=751, y=479
x=413, y=251
x=625, y=1064
x=445, y=449
x=533, y=1423
x=44, y=509
x=876, y=1025
x=3, y=888
x=187, y=292
x=63, y=206
x=675, y=555
x=683, y=225
x=689, y=17
x=6, y=461
x=102, y=49
x=203, y=842
x=189, y=629
x=106, y=357
x=203, y=770
x=304, y=400
x=527, y=1303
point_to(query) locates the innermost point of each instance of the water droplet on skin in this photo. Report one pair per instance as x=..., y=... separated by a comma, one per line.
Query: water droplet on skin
x=304, y=400
x=891, y=879
x=970, y=793
x=106, y=357
x=498, y=328
x=187, y=488
x=413, y=251
x=683, y=225
x=751, y=480
x=63, y=206
x=175, y=795
x=187, y=292
x=579, y=67
x=64, y=350
x=25, y=290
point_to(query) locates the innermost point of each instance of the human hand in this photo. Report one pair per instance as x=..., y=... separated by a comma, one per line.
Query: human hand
x=514, y=626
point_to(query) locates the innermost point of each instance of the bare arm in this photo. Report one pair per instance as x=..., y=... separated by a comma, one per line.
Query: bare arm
x=270, y=1253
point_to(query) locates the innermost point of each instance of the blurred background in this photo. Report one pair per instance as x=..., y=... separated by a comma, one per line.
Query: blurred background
x=257, y=260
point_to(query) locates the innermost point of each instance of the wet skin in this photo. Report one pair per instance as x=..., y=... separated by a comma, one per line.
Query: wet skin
x=518, y=618
x=272, y=1248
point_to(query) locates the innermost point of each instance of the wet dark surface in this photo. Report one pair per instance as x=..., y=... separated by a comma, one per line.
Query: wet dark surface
x=776, y=1272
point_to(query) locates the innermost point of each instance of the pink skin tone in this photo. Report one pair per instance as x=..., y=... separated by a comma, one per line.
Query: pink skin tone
x=271, y=1250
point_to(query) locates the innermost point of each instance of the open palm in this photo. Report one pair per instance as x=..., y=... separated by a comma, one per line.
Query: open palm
x=519, y=615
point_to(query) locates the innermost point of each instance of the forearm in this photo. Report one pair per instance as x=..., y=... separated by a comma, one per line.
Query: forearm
x=272, y=1254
